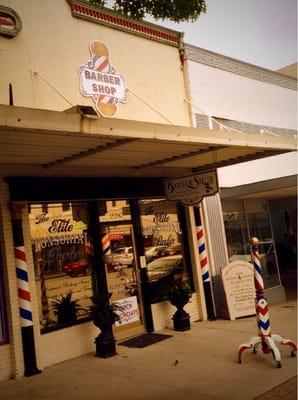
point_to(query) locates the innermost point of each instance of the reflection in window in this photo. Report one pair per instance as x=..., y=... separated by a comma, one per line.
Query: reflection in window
x=241, y=225
x=235, y=226
x=163, y=247
x=258, y=220
x=62, y=261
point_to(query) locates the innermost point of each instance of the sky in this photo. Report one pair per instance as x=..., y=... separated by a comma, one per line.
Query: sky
x=260, y=32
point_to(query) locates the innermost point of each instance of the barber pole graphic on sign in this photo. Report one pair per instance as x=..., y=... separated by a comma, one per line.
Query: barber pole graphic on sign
x=100, y=81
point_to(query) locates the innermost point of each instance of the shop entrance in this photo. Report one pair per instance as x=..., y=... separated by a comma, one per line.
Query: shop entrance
x=123, y=279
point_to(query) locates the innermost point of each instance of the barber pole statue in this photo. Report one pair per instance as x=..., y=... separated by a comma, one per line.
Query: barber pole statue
x=25, y=309
x=264, y=337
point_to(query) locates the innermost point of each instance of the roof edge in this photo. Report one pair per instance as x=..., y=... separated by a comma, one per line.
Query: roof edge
x=105, y=16
x=259, y=186
x=226, y=63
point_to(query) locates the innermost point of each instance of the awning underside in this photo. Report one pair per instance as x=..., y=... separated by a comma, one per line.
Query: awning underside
x=126, y=148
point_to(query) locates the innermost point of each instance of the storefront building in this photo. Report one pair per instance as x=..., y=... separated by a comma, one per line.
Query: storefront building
x=93, y=117
x=235, y=96
x=268, y=210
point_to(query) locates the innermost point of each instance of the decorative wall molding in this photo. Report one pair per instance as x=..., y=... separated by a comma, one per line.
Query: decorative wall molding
x=234, y=66
x=103, y=16
x=245, y=127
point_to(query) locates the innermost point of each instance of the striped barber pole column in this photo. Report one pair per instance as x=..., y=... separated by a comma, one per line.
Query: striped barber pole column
x=204, y=265
x=203, y=254
x=106, y=247
x=106, y=243
x=264, y=337
x=262, y=311
x=23, y=292
x=23, y=286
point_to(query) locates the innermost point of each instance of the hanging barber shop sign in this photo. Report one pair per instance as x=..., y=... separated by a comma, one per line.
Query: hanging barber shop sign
x=191, y=189
x=100, y=81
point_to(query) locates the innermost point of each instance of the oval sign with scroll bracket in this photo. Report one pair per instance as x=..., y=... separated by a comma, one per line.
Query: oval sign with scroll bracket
x=191, y=189
x=10, y=22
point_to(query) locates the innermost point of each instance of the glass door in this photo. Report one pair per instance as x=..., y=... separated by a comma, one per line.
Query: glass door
x=121, y=267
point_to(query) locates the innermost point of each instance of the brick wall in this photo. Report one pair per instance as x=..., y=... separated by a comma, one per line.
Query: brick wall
x=163, y=312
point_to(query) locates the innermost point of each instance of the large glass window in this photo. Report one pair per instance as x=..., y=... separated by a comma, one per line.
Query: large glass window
x=284, y=225
x=163, y=247
x=246, y=219
x=258, y=220
x=63, y=261
x=235, y=227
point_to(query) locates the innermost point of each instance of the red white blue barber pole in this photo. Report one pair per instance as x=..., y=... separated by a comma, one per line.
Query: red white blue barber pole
x=205, y=271
x=203, y=254
x=106, y=246
x=26, y=321
x=264, y=337
x=23, y=287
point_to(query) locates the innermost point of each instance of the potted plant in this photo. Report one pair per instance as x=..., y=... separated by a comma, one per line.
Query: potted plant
x=179, y=295
x=104, y=316
x=66, y=309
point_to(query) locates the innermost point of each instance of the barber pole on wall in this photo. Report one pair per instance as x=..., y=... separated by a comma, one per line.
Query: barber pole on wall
x=204, y=265
x=23, y=286
x=264, y=337
x=26, y=319
x=203, y=254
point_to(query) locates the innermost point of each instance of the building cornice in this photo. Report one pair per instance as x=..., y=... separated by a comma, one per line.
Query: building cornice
x=104, y=16
x=234, y=66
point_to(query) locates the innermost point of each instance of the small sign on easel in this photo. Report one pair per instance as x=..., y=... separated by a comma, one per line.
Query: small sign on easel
x=238, y=282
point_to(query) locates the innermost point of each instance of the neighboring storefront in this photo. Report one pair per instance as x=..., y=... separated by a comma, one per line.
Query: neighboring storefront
x=266, y=210
x=88, y=132
x=238, y=97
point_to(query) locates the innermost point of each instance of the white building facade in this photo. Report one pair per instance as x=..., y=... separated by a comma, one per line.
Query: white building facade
x=236, y=96
x=93, y=119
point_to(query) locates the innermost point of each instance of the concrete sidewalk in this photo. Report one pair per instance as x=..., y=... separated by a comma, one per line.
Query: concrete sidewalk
x=196, y=364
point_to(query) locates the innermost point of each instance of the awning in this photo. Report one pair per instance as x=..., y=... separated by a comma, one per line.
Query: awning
x=51, y=143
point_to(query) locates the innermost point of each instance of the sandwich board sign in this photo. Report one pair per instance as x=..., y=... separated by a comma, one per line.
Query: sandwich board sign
x=191, y=189
x=238, y=283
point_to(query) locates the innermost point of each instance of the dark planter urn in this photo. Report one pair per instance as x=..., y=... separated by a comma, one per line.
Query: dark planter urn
x=179, y=296
x=181, y=320
x=105, y=342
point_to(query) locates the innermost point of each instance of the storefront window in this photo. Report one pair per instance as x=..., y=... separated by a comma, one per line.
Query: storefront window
x=258, y=221
x=284, y=224
x=246, y=219
x=235, y=227
x=62, y=261
x=163, y=247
